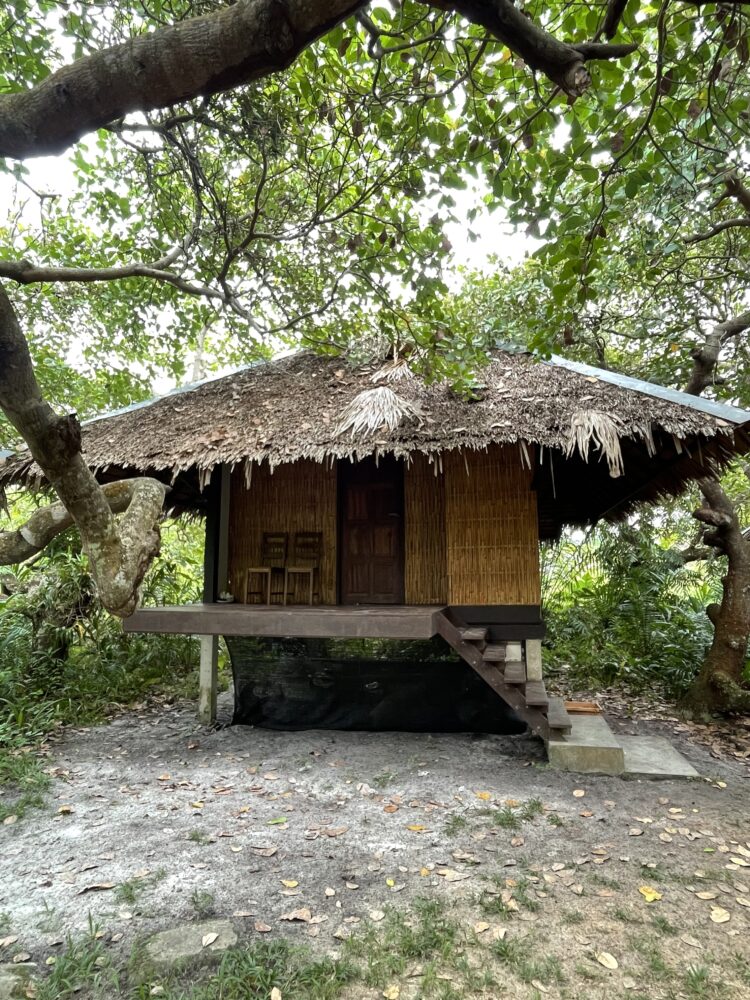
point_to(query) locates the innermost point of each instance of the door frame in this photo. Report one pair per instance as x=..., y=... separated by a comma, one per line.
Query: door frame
x=340, y=511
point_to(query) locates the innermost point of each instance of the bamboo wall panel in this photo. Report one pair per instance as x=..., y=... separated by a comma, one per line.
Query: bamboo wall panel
x=492, y=535
x=424, y=533
x=298, y=497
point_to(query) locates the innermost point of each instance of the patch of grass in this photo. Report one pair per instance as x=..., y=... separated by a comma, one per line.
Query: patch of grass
x=203, y=903
x=554, y=820
x=199, y=837
x=625, y=916
x=742, y=968
x=663, y=926
x=129, y=891
x=252, y=973
x=653, y=958
x=572, y=917
x=25, y=780
x=384, y=779
x=505, y=818
x=455, y=825
x=387, y=949
x=697, y=981
x=517, y=954
x=530, y=810
x=83, y=965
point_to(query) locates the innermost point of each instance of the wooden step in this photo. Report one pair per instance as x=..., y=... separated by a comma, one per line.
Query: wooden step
x=495, y=654
x=515, y=673
x=536, y=694
x=477, y=634
x=557, y=716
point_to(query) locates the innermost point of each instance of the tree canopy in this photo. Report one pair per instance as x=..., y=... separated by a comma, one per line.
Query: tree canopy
x=252, y=173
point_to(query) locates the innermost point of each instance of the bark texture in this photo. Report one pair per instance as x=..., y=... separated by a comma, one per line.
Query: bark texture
x=719, y=684
x=222, y=50
x=119, y=552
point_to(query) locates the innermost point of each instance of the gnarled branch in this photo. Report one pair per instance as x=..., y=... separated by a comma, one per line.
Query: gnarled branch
x=706, y=357
x=119, y=553
x=222, y=50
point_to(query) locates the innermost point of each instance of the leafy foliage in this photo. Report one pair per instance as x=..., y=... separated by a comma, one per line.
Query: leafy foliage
x=623, y=607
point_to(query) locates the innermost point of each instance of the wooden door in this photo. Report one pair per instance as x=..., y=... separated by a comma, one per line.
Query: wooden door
x=371, y=505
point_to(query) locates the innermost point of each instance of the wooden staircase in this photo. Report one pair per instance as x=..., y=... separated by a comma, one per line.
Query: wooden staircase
x=546, y=716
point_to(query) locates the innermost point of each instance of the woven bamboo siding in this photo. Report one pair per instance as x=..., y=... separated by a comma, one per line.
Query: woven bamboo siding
x=298, y=497
x=491, y=528
x=424, y=534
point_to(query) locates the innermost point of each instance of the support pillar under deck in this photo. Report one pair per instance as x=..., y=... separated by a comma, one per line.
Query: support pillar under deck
x=208, y=679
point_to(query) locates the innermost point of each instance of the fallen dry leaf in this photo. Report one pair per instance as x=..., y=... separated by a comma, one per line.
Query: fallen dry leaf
x=289, y=883
x=208, y=939
x=719, y=915
x=276, y=993
x=608, y=961
x=303, y=914
x=484, y=796
x=261, y=928
x=578, y=793
x=96, y=887
x=392, y=992
x=649, y=894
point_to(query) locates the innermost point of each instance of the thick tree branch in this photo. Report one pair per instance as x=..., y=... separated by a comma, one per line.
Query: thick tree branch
x=719, y=227
x=615, y=11
x=193, y=58
x=20, y=544
x=562, y=63
x=26, y=273
x=222, y=50
x=119, y=553
x=706, y=357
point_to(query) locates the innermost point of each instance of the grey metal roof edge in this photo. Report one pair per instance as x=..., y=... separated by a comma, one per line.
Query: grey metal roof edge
x=724, y=411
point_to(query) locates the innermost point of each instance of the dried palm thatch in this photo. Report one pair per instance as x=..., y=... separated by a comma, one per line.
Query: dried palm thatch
x=600, y=443
x=377, y=410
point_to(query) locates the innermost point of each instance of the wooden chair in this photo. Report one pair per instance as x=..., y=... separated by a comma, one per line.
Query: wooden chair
x=273, y=550
x=308, y=548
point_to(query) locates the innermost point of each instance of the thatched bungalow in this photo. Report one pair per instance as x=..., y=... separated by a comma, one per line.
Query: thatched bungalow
x=362, y=502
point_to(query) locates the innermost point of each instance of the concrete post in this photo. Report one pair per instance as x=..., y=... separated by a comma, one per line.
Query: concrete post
x=208, y=679
x=533, y=659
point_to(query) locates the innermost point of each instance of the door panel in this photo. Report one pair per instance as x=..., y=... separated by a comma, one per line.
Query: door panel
x=372, y=506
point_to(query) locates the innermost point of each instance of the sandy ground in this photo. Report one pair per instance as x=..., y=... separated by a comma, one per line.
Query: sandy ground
x=252, y=824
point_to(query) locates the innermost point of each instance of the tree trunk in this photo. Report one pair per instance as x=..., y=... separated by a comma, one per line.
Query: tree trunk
x=719, y=686
x=119, y=553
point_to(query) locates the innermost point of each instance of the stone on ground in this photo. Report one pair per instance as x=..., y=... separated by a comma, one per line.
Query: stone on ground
x=14, y=979
x=187, y=941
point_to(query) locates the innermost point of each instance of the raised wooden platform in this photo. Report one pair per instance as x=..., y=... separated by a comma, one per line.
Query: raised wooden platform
x=300, y=620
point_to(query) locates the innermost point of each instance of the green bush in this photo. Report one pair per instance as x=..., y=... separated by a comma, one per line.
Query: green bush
x=621, y=607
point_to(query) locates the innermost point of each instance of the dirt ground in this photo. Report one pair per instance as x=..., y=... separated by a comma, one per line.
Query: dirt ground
x=152, y=821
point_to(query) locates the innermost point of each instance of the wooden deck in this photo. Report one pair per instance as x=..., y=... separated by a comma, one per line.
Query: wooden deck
x=302, y=621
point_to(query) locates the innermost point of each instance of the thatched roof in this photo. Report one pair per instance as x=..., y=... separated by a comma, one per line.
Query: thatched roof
x=624, y=439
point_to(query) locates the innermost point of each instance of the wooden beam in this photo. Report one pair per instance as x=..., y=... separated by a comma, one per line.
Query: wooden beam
x=304, y=621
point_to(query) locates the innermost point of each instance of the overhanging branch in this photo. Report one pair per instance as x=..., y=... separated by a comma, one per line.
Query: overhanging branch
x=241, y=42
